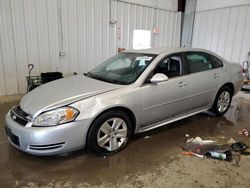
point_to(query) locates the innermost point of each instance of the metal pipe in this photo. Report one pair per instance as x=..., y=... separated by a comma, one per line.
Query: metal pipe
x=60, y=28
x=188, y=24
x=111, y=21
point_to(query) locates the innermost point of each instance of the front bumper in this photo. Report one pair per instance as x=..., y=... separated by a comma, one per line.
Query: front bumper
x=47, y=140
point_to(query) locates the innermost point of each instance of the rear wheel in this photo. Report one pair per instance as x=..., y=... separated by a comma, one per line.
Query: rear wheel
x=109, y=133
x=222, y=101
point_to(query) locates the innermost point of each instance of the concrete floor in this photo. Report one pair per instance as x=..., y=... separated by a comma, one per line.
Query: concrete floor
x=152, y=159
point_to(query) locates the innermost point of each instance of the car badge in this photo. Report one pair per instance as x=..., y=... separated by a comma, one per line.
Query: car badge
x=28, y=118
x=14, y=117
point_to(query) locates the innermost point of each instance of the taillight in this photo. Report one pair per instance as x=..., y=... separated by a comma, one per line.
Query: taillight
x=242, y=70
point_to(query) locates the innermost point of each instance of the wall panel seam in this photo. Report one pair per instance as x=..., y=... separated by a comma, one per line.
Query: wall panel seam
x=2, y=59
x=14, y=48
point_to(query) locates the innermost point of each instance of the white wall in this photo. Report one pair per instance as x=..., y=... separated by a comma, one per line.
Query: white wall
x=35, y=31
x=218, y=4
x=164, y=4
x=223, y=27
x=130, y=17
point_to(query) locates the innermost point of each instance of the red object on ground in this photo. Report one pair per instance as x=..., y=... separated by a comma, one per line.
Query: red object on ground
x=245, y=132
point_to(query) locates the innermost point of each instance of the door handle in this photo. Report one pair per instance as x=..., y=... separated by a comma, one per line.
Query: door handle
x=216, y=75
x=182, y=84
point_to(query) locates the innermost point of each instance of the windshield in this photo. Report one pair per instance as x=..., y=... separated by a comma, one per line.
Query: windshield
x=123, y=68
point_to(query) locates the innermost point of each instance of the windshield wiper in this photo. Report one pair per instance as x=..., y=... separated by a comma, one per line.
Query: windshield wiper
x=118, y=82
x=91, y=75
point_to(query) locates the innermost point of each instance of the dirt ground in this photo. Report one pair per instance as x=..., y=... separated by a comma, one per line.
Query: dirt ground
x=152, y=159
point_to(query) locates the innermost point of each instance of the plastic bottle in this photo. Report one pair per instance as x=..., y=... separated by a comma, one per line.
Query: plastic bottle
x=227, y=156
x=221, y=156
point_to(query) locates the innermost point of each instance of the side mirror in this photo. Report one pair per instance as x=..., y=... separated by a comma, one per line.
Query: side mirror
x=159, y=77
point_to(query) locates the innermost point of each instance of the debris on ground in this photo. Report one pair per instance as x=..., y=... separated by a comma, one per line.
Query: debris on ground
x=238, y=146
x=192, y=154
x=245, y=152
x=244, y=132
x=236, y=158
x=146, y=137
x=231, y=151
x=231, y=141
x=221, y=137
x=199, y=140
x=225, y=155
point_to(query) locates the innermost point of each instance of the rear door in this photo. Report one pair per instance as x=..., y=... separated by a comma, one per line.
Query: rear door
x=205, y=75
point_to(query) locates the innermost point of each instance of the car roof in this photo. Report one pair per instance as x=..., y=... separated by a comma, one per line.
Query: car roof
x=158, y=51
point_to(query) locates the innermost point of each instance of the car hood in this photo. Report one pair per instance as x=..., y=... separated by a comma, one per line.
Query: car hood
x=62, y=92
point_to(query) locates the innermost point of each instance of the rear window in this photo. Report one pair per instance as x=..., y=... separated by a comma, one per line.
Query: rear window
x=216, y=62
x=198, y=62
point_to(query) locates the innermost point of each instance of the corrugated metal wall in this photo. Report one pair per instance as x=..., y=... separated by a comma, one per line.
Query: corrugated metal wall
x=224, y=30
x=36, y=31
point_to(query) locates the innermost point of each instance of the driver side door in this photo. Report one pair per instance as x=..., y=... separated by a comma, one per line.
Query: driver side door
x=165, y=99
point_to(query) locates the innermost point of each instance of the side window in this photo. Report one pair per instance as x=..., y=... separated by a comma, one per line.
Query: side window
x=216, y=62
x=171, y=66
x=198, y=62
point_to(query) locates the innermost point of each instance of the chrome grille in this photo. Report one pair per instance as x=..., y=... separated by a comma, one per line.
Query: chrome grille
x=19, y=116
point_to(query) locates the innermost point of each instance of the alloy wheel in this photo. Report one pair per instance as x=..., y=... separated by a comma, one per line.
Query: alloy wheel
x=112, y=134
x=223, y=101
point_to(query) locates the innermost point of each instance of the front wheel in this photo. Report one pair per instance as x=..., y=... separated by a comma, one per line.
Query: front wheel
x=222, y=101
x=109, y=133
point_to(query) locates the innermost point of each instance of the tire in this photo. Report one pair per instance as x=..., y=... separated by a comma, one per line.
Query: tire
x=109, y=133
x=224, y=97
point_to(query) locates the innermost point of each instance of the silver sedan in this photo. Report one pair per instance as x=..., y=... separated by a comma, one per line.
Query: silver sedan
x=133, y=91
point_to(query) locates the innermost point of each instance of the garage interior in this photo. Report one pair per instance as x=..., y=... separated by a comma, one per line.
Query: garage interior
x=73, y=36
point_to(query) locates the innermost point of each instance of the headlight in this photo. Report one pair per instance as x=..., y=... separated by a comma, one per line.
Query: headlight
x=56, y=117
